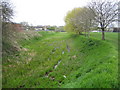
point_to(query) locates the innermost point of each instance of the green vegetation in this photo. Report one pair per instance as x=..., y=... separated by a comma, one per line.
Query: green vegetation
x=97, y=14
x=51, y=28
x=99, y=67
x=80, y=20
x=63, y=60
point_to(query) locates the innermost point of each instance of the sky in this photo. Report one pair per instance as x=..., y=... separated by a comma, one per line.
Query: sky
x=44, y=12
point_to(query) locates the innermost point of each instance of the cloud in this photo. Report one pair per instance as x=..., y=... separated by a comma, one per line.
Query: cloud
x=44, y=12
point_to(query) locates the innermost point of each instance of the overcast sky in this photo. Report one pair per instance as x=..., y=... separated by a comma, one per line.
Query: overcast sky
x=44, y=12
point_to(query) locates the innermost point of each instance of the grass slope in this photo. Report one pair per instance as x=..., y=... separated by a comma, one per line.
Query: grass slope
x=62, y=60
x=99, y=66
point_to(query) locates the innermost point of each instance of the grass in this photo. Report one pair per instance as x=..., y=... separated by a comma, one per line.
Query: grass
x=99, y=66
x=80, y=62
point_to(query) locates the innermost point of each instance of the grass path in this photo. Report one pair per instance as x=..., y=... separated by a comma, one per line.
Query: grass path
x=62, y=60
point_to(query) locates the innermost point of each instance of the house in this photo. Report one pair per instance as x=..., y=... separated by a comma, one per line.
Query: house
x=37, y=28
x=95, y=31
x=18, y=27
x=116, y=29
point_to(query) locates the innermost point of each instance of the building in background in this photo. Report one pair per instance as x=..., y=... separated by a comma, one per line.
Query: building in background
x=18, y=27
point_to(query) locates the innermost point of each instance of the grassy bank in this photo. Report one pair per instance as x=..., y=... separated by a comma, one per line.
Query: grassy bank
x=99, y=63
x=63, y=60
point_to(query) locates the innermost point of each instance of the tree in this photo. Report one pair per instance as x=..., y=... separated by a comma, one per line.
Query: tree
x=119, y=13
x=85, y=20
x=70, y=21
x=79, y=20
x=7, y=11
x=105, y=13
x=8, y=31
x=51, y=28
x=7, y=14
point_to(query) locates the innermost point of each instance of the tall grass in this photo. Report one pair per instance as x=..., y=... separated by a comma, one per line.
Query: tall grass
x=83, y=62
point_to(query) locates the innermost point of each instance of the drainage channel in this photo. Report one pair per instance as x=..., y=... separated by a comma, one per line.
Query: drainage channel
x=47, y=73
x=68, y=48
x=57, y=64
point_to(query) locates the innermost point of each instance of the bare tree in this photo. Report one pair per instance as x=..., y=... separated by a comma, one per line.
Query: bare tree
x=8, y=31
x=119, y=14
x=88, y=20
x=7, y=11
x=105, y=13
x=84, y=20
x=7, y=14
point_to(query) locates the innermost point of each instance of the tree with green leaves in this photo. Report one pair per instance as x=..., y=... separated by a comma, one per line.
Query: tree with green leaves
x=70, y=21
x=79, y=20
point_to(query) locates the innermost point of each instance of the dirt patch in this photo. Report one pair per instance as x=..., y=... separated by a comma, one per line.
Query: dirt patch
x=74, y=57
x=31, y=55
x=24, y=49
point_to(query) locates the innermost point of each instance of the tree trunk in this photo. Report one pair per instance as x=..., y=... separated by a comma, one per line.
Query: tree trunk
x=79, y=33
x=85, y=33
x=88, y=34
x=103, y=34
